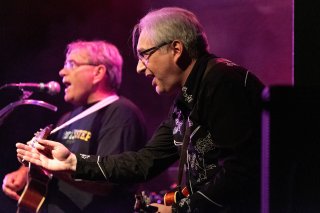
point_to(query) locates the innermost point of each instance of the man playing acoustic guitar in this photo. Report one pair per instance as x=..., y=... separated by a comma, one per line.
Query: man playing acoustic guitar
x=214, y=122
x=92, y=76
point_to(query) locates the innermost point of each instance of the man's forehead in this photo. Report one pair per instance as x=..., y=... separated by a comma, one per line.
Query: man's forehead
x=144, y=41
x=80, y=53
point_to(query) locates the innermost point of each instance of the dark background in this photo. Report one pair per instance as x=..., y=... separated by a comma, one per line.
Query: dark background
x=34, y=33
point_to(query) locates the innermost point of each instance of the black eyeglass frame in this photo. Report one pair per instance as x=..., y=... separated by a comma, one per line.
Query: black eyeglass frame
x=148, y=52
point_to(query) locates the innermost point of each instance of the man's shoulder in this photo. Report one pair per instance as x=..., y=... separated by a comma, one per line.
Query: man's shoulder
x=124, y=103
x=228, y=71
x=224, y=65
x=124, y=108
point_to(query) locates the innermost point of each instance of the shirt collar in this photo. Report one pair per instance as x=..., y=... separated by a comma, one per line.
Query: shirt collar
x=189, y=92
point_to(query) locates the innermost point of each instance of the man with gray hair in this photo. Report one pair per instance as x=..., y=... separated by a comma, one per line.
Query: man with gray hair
x=213, y=125
x=106, y=124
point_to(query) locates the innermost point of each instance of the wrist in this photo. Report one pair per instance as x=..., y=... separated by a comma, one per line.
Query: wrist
x=72, y=162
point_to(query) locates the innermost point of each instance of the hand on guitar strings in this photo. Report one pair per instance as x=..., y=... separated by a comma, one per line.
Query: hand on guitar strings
x=14, y=182
x=30, y=143
x=50, y=155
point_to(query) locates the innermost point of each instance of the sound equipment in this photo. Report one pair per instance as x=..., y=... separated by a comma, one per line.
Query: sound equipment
x=290, y=172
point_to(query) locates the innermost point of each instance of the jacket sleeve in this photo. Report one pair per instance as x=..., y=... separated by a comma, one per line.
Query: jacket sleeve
x=129, y=167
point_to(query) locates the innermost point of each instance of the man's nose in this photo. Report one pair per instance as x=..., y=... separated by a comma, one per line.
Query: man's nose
x=62, y=72
x=141, y=67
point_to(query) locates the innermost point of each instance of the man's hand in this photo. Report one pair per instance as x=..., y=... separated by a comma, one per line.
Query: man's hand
x=14, y=182
x=51, y=155
x=162, y=208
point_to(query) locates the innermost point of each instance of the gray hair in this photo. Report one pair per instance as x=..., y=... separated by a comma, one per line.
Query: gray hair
x=102, y=52
x=173, y=23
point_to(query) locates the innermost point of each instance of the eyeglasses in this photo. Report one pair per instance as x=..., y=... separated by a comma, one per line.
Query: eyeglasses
x=145, y=54
x=70, y=65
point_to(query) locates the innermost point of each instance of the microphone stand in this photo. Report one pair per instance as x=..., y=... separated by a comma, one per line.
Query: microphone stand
x=24, y=101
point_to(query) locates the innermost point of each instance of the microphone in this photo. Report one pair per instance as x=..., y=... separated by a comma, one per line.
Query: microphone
x=51, y=87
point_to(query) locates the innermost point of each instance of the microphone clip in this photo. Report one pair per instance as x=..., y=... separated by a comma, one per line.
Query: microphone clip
x=25, y=94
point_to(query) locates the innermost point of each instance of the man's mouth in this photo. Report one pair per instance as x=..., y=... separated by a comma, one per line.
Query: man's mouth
x=67, y=85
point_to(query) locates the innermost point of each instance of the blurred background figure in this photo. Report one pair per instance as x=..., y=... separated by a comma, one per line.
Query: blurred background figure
x=91, y=74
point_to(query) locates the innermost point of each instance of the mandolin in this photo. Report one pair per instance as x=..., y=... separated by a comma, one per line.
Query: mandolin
x=36, y=188
x=143, y=200
x=175, y=196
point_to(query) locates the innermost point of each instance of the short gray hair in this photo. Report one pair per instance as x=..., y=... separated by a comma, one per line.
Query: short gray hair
x=102, y=52
x=173, y=23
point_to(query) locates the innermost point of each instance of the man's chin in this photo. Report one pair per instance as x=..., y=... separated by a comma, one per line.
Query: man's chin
x=164, y=92
x=68, y=99
x=159, y=90
x=171, y=91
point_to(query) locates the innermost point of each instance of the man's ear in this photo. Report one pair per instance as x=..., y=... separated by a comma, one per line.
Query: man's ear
x=99, y=73
x=181, y=56
x=177, y=48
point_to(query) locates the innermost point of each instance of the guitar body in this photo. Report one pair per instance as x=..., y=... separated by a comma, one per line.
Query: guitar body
x=36, y=188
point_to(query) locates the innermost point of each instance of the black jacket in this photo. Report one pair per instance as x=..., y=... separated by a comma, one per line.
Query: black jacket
x=223, y=155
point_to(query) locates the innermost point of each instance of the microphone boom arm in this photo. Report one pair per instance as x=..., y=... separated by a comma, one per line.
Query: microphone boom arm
x=10, y=107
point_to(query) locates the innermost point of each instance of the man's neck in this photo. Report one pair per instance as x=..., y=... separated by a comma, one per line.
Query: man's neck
x=188, y=71
x=98, y=96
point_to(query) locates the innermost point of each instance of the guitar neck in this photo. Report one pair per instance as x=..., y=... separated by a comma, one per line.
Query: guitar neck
x=35, y=191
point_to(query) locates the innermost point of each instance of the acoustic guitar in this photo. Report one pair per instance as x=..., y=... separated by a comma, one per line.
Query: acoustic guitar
x=36, y=188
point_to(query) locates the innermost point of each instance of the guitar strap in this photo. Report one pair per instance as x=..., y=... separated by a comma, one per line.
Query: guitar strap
x=186, y=138
x=183, y=155
x=93, y=108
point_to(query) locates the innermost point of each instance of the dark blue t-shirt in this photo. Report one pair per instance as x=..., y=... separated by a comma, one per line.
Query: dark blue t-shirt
x=113, y=129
